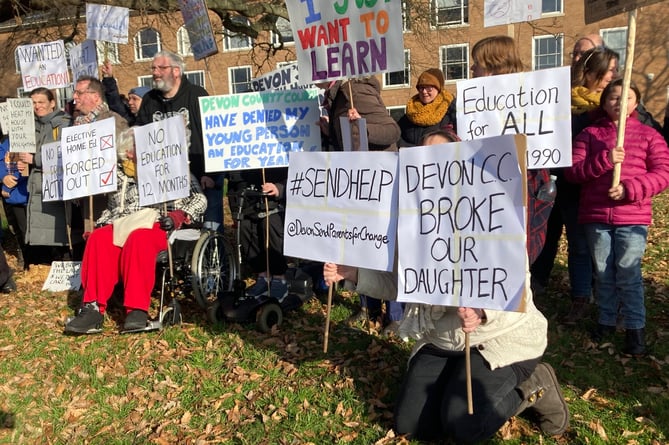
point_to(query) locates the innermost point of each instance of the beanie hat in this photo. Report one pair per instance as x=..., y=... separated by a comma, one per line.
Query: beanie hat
x=139, y=91
x=431, y=77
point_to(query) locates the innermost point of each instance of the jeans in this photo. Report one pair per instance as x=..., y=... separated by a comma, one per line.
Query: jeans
x=394, y=309
x=617, y=252
x=213, y=215
x=432, y=404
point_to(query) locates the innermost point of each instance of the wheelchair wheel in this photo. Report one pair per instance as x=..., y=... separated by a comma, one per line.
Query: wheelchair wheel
x=172, y=314
x=268, y=315
x=213, y=267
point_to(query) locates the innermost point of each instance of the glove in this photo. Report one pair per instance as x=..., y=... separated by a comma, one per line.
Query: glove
x=173, y=220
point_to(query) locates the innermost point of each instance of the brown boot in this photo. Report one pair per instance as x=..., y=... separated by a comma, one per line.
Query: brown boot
x=542, y=395
x=579, y=309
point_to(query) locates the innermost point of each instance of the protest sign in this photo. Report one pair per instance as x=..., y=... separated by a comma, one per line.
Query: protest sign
x=162, y=161
x=4, y=117
x=596, y=10
x=283, y=78
x=336, y=40
x=52, y=172
x=342, y=207
x=89, y=159
x=536, y=104
x=198, y=26
x=107, y=23
x=462, y=224
x=63, y=276
x=258, y=130
x=84, y=59
x=43, y=65
x=504, y=12
x=21, y=128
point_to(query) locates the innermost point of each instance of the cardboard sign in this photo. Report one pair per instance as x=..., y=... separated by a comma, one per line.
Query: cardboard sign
x=84, y=59
x=107, y=23
x=342, y=207
x=63, y=276
x=52, y=172
x=462, y=219
x=536, y=104
x=337, y=40
x=258, y=130
x=21, y=125
x=43, y=65
x=198, y=26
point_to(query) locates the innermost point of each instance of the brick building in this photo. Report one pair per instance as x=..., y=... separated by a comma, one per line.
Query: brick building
x=437, y=33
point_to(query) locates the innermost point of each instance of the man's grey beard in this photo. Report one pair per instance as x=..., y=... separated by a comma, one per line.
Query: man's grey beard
x=161, y=85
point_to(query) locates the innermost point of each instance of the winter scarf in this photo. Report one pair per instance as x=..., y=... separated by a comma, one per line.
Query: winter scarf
x=93, y=115
x=582, y=100
x=426, y=115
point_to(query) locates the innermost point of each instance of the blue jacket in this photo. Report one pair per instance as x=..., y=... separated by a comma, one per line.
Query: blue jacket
x=18, y=195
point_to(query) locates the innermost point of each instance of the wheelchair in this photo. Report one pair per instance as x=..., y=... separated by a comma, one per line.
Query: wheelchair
x=197, y=260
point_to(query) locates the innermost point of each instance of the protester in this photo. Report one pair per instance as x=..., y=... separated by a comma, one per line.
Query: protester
x=107, y=256
x=584, y=44
x=616, y=217
x=90, y=107
x=432, y=108
x=173, y=94
x=355, y=99
x=127, y=108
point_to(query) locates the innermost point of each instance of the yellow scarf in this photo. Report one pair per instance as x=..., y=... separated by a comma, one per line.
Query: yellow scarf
x=582, y=100
x=426, y=115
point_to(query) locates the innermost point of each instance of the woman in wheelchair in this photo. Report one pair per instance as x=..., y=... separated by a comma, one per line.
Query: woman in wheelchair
x=126, y=249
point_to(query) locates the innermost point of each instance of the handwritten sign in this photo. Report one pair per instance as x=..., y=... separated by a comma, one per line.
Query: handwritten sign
x=283, y=78
x=21, y=128
x=107, y=23
x=258, y=130
x=200, y=33
x=43, y=65
x=341, y=207
x=504, y=12
x=84, y=59
x=89, y=159
x=63, y=276
x=52, y=172
x=4, y=117
x=596, y=10
x=536, y=104
x=162, y=161
x=344, y=39
x=462, y=224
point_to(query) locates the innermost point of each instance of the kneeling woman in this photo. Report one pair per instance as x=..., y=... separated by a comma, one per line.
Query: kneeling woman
x=108, y=258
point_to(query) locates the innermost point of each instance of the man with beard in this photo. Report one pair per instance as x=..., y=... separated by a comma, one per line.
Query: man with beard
x=173, y=94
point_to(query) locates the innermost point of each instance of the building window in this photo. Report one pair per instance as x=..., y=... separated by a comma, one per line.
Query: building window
x=406, y=17
x=234, y=41
x=196, y=77
x=285, y=31
x=240, y=79
x=107, y=51
x=547, y=52
x=183, y=42
x=455, y=61
x=397, y=112
x=147, y=44
x=616, y=39
x=399, y=78
x=551, y=6
x=450, y=12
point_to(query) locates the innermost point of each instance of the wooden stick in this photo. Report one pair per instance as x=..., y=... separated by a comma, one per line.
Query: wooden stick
x=327, y=319
x=90, y=204
x=269, y=278
x=627, y=78
x=468, y=365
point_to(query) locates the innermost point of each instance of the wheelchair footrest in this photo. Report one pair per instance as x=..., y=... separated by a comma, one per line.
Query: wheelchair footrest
x=151, y=325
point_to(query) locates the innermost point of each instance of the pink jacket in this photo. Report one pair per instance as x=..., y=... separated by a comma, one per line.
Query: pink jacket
x=644, y=172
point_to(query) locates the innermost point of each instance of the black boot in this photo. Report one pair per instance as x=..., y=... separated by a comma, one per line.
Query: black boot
x=542, y=395
x=602, y=332
x=635, y=343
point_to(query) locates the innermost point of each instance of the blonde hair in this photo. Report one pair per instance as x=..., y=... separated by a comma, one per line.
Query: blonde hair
x=497, y=55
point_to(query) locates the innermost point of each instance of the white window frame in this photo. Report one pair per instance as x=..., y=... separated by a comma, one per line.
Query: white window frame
x=139, y=45
x=231, y=75
x=396, y=112
x=184, y=47
x=405, y=73
x=444, y=62
x=283, y=25
x=536, y=47
x=108, y=50
x=463, y=6
x=236, y=42
x=545, y=11
x=620, y=48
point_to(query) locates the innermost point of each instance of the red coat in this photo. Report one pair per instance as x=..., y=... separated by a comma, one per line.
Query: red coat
x=644, y=172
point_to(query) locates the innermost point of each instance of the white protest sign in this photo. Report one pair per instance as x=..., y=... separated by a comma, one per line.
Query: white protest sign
x=21, y=128
x=462, y=224
x=536, y=104
x=162, y=161
x=52, y=172
x=504, y=12
x=283, y=78
x=89, y=159
x=4, y=117
x=200, y=33
x=258, y=130
x=63, y=276
x=84, y=59
x=107, y=23
x=43, y=65
x=337, y=40
x=342, y=207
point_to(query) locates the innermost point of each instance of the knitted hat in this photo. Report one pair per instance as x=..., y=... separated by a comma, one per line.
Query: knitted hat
x=139, y=91
x=431, y=77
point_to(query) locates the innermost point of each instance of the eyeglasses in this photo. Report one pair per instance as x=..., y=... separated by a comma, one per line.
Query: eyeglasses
x=426, y=88
x=81, y=92
x=161, y=67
